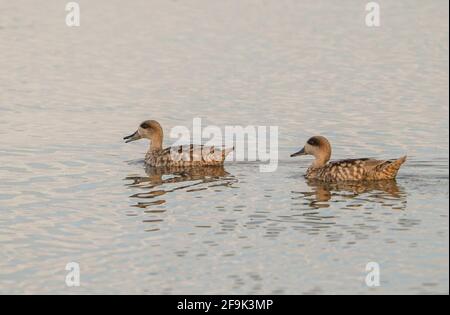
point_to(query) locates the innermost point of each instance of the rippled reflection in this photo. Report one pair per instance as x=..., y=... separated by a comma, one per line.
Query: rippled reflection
x=346, y=210
x=378, y=191
x=161, y=181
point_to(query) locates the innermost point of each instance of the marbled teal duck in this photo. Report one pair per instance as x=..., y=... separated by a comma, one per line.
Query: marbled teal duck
x=345, y=170
x=178, y=156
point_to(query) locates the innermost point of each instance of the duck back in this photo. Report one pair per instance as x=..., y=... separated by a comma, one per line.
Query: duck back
x=187, y=156
x=386, y=169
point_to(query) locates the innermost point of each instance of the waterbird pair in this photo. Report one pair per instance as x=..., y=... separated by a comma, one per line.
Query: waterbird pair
x=317, y=146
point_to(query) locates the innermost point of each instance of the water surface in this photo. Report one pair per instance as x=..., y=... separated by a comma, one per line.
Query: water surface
x=70, y=190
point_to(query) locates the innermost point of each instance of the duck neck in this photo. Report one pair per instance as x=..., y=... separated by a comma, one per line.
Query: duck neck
x=156, y=141
x=319, y=162
x=322, y=157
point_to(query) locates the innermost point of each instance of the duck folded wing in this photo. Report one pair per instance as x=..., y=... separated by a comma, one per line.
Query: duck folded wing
x=385, y=169
x=345, y=170
x=196, y=154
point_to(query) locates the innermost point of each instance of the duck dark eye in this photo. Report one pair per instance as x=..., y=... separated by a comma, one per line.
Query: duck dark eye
x=145, y=126
x=313, y=141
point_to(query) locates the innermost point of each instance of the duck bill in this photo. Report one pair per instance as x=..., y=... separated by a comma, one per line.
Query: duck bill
x=135, y=136
x=299, y=153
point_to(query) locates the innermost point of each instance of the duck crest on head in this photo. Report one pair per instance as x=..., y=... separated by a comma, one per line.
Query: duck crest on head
x=320, y=148
x=152, y=130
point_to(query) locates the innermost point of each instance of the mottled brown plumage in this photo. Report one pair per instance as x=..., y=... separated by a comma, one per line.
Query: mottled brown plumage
x=345, y=170
x=177, y=156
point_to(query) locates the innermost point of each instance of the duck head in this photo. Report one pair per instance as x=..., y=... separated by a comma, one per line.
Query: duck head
x=149, y=129
x=319, y=147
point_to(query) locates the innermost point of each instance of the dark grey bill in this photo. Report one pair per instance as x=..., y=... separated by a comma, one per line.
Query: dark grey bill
x=301, y=152
x=135, y=136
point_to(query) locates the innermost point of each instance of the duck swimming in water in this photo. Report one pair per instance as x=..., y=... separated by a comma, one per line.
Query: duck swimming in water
x=178, y=156
x=345, y=170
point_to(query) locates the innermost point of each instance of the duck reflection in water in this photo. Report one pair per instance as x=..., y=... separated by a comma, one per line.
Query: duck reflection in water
x=160, y=181
x=375, y=191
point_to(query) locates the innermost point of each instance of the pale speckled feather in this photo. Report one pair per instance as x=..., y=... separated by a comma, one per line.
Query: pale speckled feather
x=356, y=170
x=187, y=156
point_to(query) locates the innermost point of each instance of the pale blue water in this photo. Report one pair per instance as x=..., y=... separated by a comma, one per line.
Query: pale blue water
x=70, y=190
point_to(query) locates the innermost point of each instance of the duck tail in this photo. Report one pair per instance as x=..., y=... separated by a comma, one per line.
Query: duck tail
x=391, y=169
x=226, y=151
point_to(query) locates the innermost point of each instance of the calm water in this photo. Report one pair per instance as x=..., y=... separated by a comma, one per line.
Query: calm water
x=70, y=190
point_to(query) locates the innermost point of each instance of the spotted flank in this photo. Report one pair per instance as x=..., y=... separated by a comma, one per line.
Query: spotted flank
x=188, y=155
x=356, y=170
x=346, y=170
x=177, y=156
